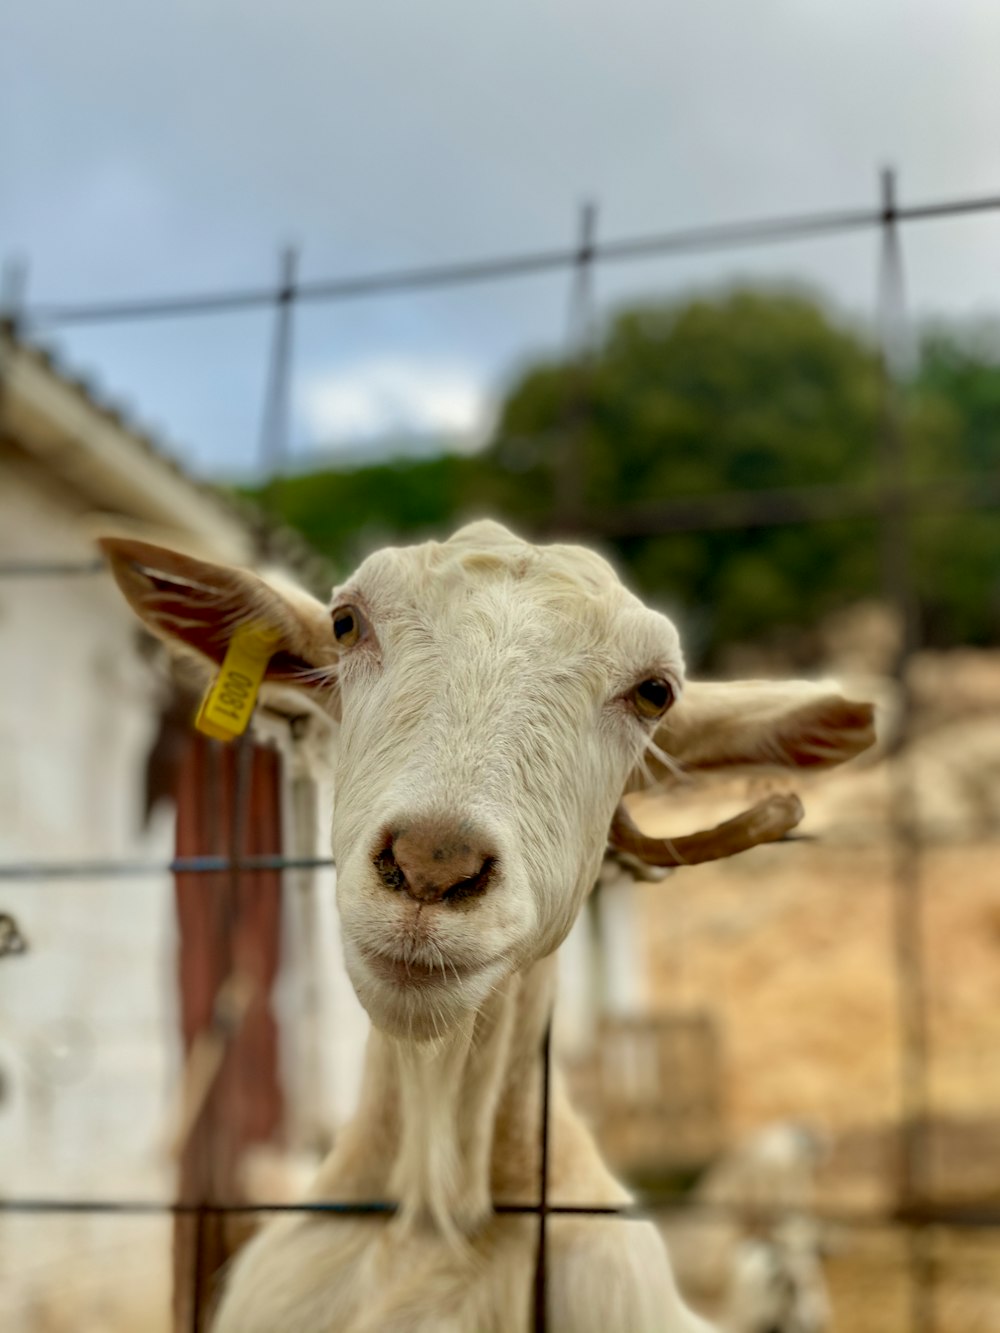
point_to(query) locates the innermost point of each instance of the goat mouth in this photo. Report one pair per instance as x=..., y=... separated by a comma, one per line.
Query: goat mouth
x=417, y=972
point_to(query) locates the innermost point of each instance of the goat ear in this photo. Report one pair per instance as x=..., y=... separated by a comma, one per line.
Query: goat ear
x=765, y=724
x=197, y=605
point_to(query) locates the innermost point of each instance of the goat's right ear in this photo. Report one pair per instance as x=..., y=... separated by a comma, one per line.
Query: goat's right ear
x=765, y=724
x=198, y=606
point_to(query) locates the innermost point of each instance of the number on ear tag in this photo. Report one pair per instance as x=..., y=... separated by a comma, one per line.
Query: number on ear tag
x=229, y=702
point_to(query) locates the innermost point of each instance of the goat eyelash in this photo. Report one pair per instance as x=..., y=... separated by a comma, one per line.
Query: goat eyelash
x=318, y=675
x=658, y=753
x=325, y=679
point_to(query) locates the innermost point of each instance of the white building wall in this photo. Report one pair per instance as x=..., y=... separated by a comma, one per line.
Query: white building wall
x=87, y=1024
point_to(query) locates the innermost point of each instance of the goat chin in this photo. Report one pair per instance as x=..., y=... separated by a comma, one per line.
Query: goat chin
x=425, y=1008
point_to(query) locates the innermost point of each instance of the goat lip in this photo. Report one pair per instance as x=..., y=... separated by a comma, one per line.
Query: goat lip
x=411, y=972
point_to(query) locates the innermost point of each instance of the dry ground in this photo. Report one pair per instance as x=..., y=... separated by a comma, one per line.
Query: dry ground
x=794, y=951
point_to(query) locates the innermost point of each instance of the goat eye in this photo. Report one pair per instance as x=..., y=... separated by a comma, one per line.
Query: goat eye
x=653, y=697
x=347, y=625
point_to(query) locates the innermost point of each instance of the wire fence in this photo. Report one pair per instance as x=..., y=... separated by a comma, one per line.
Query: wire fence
x=892, y=500
x=586, y=253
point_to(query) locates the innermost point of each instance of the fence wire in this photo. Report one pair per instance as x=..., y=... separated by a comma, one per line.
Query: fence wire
x=694, y=240
x=892, y=501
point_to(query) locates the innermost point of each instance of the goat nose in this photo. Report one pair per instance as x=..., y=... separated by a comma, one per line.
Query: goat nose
x=432, y=861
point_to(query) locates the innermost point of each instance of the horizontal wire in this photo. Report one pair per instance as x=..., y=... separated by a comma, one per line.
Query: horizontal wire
x=210, y=865
x=789, y=505
x=181, y=865
x=456, y=274
x=964, y=1217
x=49, y=568
x=775, y=506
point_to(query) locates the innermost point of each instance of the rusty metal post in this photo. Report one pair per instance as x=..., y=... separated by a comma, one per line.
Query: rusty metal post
x=229, y=945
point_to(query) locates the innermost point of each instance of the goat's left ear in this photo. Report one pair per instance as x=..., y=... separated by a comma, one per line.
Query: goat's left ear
x=197, y=606
x=764, y=724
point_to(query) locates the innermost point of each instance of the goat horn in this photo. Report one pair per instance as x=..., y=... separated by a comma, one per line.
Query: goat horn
x=767, y=821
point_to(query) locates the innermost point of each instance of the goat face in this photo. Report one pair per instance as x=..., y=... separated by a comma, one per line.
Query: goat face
x=490, y=719
x=493, y=699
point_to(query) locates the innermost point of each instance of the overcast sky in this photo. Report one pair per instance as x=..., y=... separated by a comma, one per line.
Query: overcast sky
x=154, y=149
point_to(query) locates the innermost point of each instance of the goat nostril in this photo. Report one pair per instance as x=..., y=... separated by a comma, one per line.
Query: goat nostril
x=473, y=884
x=432, y=867
x=388, y=869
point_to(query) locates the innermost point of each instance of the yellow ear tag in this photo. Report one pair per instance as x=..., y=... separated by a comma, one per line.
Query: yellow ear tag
x=229, y=703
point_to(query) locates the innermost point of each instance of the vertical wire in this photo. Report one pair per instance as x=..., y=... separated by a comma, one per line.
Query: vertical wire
x=13, y=292
x=274, y=422
x=899, y=591
x=275, y=418
x=198, y=1273
x=540, y=1322
x=570, y=498
x=570, y=495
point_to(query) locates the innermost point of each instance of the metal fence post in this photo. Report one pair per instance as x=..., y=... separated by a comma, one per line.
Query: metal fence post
x=570, y=461
x=900, y=593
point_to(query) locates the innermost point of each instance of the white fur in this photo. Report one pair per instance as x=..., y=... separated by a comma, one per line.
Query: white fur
x=491, y=689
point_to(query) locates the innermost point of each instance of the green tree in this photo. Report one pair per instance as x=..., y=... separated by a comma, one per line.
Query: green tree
x=345, y=513
x=748, y=391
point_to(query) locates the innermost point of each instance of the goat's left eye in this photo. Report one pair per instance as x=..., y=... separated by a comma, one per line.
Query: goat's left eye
x=653, y=697
x=347, y=625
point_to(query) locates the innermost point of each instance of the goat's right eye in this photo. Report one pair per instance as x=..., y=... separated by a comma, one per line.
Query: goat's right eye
x=653, y=697
x=347, y=625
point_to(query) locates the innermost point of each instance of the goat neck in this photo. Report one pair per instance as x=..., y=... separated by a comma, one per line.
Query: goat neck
x=449, y=1126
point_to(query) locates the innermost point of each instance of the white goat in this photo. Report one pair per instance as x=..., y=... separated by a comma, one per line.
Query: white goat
x=777, y=1283
x=494, y=700
x=756, y=1254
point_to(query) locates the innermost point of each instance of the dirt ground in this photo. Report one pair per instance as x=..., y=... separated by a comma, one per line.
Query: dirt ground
x=793, y=951
x=99, y=1274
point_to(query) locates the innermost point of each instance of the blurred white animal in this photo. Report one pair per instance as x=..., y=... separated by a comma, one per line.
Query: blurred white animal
x=756, y=1255
x=494, y=700
x=777, y=1283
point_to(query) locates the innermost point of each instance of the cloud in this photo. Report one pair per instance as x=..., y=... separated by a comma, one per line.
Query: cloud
x=392, y=397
